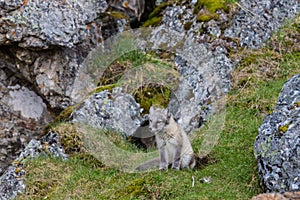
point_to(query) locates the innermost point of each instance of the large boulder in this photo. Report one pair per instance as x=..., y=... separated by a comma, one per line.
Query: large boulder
x=277, y=146
x=113, y=110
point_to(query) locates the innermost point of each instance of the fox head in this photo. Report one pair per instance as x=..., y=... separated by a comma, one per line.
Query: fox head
x=158, y=118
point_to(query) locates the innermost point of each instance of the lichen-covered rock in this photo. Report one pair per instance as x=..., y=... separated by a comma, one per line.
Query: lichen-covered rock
x=257, y=20
x=277, y=146
x=44, y=42
x=114, y=110
x=23, y=113
x=42, y=24
x=11, y=181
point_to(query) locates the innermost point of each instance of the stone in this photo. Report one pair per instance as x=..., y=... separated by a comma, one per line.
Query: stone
x=113, y=110
x=11, y=181
x=257, y=20
x=277, y=146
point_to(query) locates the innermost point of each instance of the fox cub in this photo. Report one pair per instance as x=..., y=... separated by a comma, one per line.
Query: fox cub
x=172, y=142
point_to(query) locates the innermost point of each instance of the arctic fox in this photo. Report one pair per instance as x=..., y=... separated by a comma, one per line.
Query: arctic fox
x=171, y=140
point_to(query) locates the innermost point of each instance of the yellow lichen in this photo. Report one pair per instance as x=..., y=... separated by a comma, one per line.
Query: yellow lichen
x=297, y=104
x=284, y=128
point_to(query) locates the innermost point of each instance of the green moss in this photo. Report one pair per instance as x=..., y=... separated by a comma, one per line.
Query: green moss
x=206, y=17
x=117, y=15
x=155, y=21
x=297, y=104
x=152, y=95
x=104, y=87
x=62, y=117
x=187, y=25
x=208, y=8
x=210, y=5
x=135, y=188
x=158, y=10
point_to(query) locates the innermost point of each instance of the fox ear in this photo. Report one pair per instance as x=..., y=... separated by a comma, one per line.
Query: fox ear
x=151, y=109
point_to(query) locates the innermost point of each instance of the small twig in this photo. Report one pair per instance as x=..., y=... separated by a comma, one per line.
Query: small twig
x=193, y=181
x=245, y=9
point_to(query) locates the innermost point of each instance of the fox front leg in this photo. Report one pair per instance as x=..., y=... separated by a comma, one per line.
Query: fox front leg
x=163, y=165
x=177, y=158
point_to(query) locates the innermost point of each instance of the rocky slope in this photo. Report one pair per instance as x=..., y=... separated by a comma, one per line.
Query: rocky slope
x=44, y=44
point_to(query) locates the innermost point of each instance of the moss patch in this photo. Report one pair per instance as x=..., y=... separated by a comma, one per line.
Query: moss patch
x=158, y=10
x=138, y=187
x=152, y=95
x=210, y=5
x=154, y=21
x=205, y=16
x=188, y=25
x=155, y=16
x=206, y=9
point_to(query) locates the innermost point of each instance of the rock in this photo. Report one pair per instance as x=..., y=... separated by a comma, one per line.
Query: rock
x=45, y=42
x=143, y=137
x=114, y=110
x=277, y=146
x=42, y=45
x=257, y=20
x=278, y=196
x=23, y=114
x=11, y=181
x=41, y=24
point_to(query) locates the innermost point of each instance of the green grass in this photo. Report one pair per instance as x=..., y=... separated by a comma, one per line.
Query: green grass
x=231, y=164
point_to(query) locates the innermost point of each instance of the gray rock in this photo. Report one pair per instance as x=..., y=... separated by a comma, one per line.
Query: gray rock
x=42, y=24
x=43, y=43
x=277, y=146
x=23, y=114
x=113, y=110
x=257, y=20
x=11, y=181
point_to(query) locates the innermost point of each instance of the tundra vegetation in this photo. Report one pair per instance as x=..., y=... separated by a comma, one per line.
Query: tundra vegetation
x=257, y=81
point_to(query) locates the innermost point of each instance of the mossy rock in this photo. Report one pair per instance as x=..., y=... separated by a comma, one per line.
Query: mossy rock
x=155, y=16
x=62, y=117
